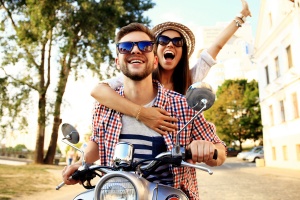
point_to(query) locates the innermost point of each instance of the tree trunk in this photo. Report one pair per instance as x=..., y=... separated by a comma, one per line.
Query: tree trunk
x=62, y=83
x=39, y=146
x=53, y=142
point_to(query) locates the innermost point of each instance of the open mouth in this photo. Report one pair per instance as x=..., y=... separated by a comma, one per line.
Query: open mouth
x=169, y=55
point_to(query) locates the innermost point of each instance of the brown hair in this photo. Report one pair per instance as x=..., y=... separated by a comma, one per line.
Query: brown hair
x=132, y=27
x=181, y=76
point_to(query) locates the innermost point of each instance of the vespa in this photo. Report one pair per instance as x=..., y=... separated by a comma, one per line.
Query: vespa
x=125, y=180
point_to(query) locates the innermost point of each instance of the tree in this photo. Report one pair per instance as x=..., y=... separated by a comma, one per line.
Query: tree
x=236, y=112
x=49, y=41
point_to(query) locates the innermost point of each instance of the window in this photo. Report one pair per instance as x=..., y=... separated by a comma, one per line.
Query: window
x=271, y=115
x=284, y=152
x=289, y=56
x=298, y=151
x=295, y=105
x=282, y=113
x=273, y=153
x=277, y=67
x=267, y=74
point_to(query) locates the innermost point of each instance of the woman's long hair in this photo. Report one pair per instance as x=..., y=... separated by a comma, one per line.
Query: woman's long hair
x=181, y=76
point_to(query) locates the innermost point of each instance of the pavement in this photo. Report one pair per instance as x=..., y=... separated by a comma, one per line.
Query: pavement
x=14, y=161
x=238, y=180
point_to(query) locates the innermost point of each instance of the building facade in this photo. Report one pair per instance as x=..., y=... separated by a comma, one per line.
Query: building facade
x=234, y=60
x=277, y=47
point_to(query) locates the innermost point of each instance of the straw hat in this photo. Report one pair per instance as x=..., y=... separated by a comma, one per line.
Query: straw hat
x=183, y=30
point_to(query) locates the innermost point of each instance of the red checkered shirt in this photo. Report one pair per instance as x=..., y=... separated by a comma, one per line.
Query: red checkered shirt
x=107, y=126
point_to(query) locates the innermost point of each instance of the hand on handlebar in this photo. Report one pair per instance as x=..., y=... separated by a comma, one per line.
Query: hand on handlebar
x=67, y=174
x=202, y=151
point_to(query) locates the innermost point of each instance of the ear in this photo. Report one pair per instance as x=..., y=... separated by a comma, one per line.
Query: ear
x=117, y=63
x=155, y=62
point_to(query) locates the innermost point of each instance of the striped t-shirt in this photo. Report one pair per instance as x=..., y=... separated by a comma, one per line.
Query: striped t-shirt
x=147, y=144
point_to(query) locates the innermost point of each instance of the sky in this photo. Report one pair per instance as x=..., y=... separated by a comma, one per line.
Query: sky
x=195, y=13
x=78, y=104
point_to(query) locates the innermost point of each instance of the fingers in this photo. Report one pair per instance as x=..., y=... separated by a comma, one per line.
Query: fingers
x=202, y=151
x=159, y=120
x=167, y=116
x=163, y=130
x=67, y=174
x=245, y=10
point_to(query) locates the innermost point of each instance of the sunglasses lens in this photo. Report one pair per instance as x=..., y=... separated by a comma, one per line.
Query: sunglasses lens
x=163, y=40
x=145, y=46
x=178, y=41
x=125, y=47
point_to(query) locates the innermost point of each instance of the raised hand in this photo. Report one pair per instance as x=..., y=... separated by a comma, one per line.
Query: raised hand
x=245, y=9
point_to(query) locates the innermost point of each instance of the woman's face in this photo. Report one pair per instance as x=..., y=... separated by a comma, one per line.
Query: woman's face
x=169, y=55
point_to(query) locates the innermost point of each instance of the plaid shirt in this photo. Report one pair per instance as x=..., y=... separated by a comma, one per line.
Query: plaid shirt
x=107, y=126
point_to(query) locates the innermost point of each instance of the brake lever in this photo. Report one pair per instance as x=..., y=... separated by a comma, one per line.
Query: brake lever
x=185, y=164
x=74, y=176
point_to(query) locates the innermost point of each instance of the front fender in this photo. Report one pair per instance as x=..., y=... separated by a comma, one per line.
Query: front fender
x=86, y=195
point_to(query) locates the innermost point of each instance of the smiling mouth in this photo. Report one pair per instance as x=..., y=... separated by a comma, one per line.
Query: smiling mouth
x=135, y=61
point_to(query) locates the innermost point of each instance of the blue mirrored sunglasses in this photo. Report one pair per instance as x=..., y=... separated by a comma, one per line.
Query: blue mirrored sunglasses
x=126, y=47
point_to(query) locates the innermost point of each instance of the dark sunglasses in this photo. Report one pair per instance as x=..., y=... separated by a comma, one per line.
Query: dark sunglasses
x=165, y=40
x=126, y=47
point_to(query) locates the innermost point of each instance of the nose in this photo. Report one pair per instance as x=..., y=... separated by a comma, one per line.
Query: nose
x=170, y=44
x=135, y=50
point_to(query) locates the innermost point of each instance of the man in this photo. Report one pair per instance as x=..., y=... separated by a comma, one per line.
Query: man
x=137, y=59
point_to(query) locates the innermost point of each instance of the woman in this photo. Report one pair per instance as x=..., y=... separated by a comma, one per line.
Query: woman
x=175, y=44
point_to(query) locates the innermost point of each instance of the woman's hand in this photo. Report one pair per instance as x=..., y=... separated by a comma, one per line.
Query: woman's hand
x=245, y=10
x=158, y=119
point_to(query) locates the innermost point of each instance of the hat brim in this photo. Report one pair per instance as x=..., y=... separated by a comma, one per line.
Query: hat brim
x=183, y=30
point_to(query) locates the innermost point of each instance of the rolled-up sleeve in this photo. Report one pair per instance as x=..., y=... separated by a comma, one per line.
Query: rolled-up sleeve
x=202, y=67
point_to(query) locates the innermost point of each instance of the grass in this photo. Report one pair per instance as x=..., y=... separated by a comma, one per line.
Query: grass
x=23, y=180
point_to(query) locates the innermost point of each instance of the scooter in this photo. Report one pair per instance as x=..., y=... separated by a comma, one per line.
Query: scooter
x=126, y=180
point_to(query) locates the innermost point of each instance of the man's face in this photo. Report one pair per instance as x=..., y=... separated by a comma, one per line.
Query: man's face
x=136, y=65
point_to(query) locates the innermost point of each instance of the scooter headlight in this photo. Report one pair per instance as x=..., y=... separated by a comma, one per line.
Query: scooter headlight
x=118, y=188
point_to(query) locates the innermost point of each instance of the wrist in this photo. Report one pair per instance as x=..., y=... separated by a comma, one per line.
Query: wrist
x=238, y=22
x=241, y=17
x=138, y=113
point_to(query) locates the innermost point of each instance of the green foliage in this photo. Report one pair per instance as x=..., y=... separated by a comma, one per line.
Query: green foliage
x=49, y=40
x=236, y=112
x=20, y=147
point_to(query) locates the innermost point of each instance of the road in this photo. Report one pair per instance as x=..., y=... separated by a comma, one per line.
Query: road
x=239, y=180
x=234, y=180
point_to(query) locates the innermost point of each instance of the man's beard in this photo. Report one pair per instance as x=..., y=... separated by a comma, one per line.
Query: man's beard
x=136, y=76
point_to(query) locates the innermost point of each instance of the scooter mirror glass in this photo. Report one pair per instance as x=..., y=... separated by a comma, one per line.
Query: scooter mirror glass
x=70, y=133
x=197, y=92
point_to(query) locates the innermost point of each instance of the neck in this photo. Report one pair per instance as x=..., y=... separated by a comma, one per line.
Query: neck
x=166, y=79
x=139, y=92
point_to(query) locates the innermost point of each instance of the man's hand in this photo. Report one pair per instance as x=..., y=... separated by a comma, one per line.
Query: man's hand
x=67, y=173
x=202, y=151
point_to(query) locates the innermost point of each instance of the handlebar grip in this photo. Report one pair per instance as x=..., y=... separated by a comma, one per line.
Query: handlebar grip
x=188, y=154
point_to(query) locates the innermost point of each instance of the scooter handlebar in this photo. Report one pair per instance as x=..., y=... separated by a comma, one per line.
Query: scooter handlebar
x=188, y=154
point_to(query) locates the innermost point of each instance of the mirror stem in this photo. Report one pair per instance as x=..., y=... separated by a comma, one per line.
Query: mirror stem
x=177, y=146
x=82, y=153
